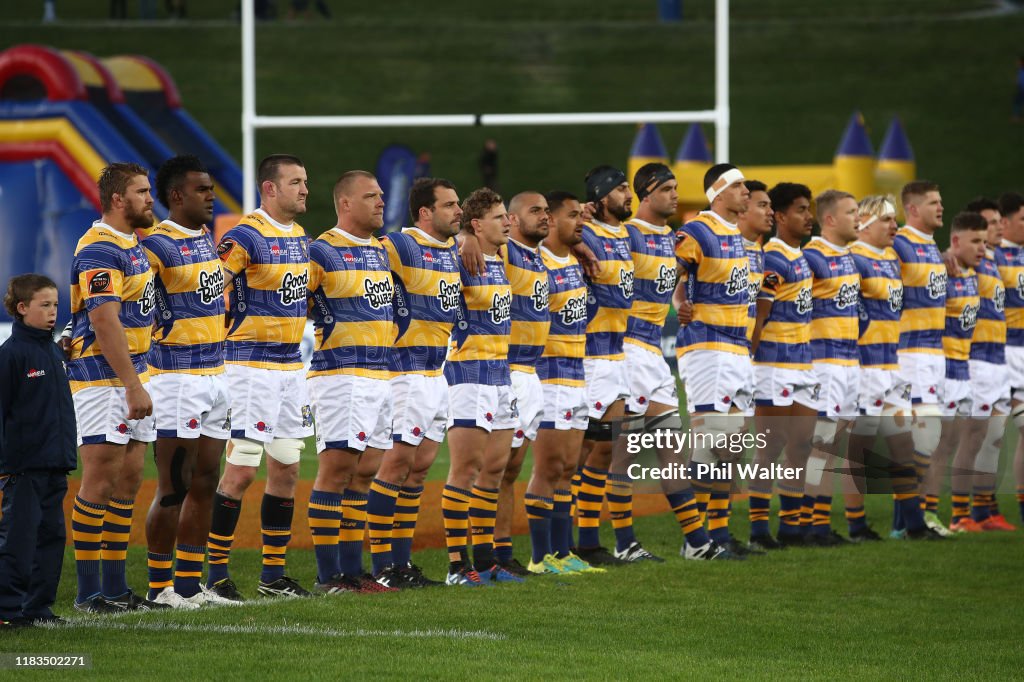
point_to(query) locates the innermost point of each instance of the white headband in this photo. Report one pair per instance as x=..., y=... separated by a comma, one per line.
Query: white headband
x=727, y=178
x=887, y=209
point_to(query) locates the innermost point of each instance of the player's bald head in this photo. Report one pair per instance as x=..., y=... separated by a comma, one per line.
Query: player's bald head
x=523, y=201
x=345, y=185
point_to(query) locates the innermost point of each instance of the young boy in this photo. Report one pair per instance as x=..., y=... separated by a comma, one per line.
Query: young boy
x=37, y=450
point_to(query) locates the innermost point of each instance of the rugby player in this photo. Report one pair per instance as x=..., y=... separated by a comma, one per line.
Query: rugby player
x=266, y=262
x=190, y=396
x=425, y=271
x=112, y=319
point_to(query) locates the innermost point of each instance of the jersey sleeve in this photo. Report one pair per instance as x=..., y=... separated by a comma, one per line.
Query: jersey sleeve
x=318, y=257
x=775, y=268
x=236, y=249
x=903, y=248
x=391, y=250
x=155, y=254
x=100, y=274
x=688, y=251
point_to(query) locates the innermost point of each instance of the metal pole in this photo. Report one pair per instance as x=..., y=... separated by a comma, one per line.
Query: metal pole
x=248, y=105
x=722, y=81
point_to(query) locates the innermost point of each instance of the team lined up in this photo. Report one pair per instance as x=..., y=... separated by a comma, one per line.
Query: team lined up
x=545, y=328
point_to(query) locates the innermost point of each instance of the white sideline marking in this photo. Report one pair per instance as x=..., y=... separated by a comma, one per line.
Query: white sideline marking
x=107, y=624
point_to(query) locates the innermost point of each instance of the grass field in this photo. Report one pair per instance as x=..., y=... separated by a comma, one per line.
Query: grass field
x=885, y=611
x=799, y=67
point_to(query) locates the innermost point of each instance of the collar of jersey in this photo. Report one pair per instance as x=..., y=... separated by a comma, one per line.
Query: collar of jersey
x=1006, y=243
x=551, y=254
x=131, y=238
x=786, y=246
x=280, y=226
x=365, y=241
x=873, y=249
x=426, y=236
x=650, y=226
x=834, y=247
x=182, y=228
x=719, y=218
x=610, y=228
x=524, y=246
x=920, y=234
x=750, y=243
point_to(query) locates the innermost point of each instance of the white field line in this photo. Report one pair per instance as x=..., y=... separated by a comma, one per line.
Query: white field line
x=305, y=630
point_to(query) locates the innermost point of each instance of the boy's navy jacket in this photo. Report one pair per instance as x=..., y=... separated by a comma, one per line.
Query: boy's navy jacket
x=37, y=415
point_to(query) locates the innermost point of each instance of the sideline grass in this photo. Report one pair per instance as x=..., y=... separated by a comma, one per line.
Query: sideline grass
x=892, y=609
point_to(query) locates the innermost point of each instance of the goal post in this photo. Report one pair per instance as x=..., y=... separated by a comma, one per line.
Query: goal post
x=251, y=121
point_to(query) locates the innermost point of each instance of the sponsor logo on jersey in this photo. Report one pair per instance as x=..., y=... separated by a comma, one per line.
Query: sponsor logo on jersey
x=448, y=294
x=211, y=285
x=501, y=307
x=739, y=280
x=969, y=316
x=849, y=294
x=895, y=298
x=293, y=288
x=804, y=301
x=148, y=300
x=539, y=297
x=100, y=282
x=999, y=298
x=34, y=373
x=574, y=311
x=936, y=286
x=666, y=279
x=378, y=294
x=626, y=282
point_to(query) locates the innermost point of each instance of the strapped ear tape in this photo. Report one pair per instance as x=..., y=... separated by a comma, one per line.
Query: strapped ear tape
x=601, y=183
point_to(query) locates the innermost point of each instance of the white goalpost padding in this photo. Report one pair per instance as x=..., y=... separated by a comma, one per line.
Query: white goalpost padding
x=251, y=121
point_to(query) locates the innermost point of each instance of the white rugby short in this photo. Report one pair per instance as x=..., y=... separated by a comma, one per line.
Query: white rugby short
x=1015, y=370
x=101, y=416
x=926, y=374
x=990, y=389
x=268, y=403
x=717, y=381
x=529, y=396
x=650, y=379
x=606, y=383
x=881, y=387
x=840, y=384
x=420, y=408
x=190, y=405
x=490, y=408
x=352, y=412
x=956, y=398
x=783, y=386
x=565, y=407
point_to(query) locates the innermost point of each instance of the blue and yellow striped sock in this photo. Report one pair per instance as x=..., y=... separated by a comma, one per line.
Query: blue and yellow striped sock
x=856, y=519
x=160, y=568
x=483, y=510
x=117, y=526
x=503, y=550
x=574, y=489
x=276, y=515
x=718, y=512
x=930, y=504
x=702, y=496
x=538, y=516
x=619, y=494
x=789, y=512
x=908, y=514
x=588, y=505
x=407, y=511
x=87, y=536
x=188, y=568
x=353, y=530
x=455, y=514
x=806, y=513
x=821, y=517
x=961, y=505
x=684, y=506
x=1020, y=501
x=222, y=535
x=760, y=507
x=324, y=526
x=561, y=523
x=380, y=518
x=981, y=505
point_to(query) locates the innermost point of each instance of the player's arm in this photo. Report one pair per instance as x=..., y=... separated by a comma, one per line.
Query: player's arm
x=472, y=256
x=588, y=261
x=765, y=300
x=106, y=324
x=684, y=308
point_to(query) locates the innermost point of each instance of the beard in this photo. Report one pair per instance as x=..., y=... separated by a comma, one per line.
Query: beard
x=139, y=219
x=620, y=212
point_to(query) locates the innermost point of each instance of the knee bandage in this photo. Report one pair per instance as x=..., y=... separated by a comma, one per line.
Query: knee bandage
x=245, y=452
x=285, y=450
x=825, y=431
x=987, y=461
x=179, y=486
x=895, y=420
x=866, y=425
x=714, y=432
x=927, y=428
x=667, y=421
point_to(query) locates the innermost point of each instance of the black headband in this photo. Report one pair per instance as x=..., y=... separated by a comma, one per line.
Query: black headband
x=661, y=175
x=602, y=182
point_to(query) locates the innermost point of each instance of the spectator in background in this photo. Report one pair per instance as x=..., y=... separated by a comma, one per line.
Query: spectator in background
x=1018, y=93
x=489, y=165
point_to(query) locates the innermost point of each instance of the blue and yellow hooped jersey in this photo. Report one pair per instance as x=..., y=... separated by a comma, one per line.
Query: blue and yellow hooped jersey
x=610, y=296
x=755, y=255
x=109, y=266
x=562, y=360
x=924, y=292
x=267, y=265
x=989, y=341
x=835, y=293
x=479, y=348
x=881, y=303
x=528, y=278
x=786, y=336
x=962, y=306
x=654, y=279
x=189, y=296
x=428, y=290
x=350, y=302
x=1009, y=258
x=716, y=268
